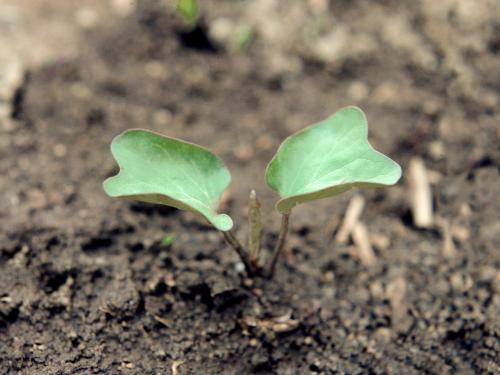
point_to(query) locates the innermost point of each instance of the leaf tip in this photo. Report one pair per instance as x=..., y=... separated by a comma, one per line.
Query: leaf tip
x=107, y=186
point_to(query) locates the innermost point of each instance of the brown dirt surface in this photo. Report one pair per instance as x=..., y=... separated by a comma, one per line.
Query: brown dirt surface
x=86, y=286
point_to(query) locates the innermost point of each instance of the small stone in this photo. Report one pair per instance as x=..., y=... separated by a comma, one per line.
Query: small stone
x=128, y=365
x=383, y=335
x=358, y=91
x=244, y=152
x=59, y=150
x=239, y=267
x=160, y=353
x=328, y=276
x=39, y=346
x=436, y=150
x=221, y=29
x=162, y=117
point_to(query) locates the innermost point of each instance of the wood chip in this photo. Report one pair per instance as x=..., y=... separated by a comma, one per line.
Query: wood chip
x=420, y=194
x=352, y=214
x=362, y=242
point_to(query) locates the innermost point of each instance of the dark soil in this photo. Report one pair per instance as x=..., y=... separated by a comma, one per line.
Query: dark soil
x=86, y=286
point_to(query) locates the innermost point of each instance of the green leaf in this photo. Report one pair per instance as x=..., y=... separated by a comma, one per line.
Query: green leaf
x=328, y=158
x=163, y=170
x=188, y=9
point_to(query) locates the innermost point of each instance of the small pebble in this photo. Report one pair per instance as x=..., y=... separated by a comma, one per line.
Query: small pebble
x=59, y=150
x=383, y=335
x=436, y=150
x=244, y=152
x=357, y=91
x=162, y=117
x=239, y=267
x=328, y=276
x=221, y=29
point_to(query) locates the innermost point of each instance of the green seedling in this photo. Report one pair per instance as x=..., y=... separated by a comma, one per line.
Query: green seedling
x=188, y=10
x=321, y=161
x=167, y=240
x=243, y=37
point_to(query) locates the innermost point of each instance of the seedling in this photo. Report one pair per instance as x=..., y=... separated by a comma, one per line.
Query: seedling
x=188, y=10
x=321, y=161
x=167, y=240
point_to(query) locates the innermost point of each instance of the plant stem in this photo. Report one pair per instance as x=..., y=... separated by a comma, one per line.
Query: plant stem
x=278, y=249
x=238, y=247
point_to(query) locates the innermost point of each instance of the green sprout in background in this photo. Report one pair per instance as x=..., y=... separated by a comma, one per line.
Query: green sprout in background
x=321, y=161
x=167, y=240
x=188, y=10
x=243, y=37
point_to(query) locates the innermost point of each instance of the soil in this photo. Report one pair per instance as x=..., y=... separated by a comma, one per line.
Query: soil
x=86, y=286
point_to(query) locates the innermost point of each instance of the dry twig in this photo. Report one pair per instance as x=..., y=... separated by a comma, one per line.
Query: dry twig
x=362, y=242
x=352, y=214
x=449, y=250
x=420, y=194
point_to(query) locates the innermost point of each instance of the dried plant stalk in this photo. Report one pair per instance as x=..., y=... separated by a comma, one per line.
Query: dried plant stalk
x=255, y=227
x=420, y=194
x=363, y=245
x=352, y=214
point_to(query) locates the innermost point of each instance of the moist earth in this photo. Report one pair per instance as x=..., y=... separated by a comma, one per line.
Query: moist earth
x=87, y=285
